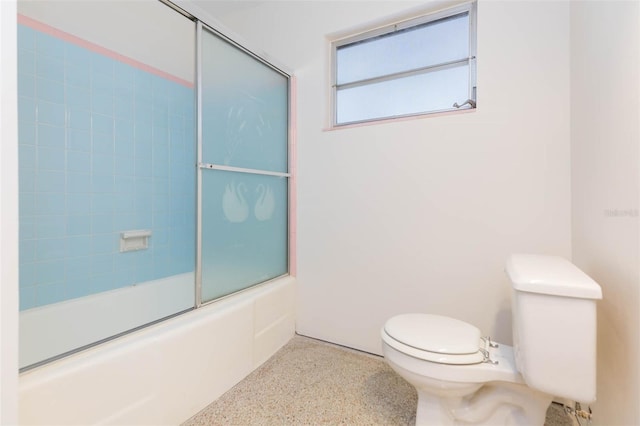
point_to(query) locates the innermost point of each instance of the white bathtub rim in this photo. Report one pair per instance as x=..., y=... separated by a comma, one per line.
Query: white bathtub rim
x=50, y=331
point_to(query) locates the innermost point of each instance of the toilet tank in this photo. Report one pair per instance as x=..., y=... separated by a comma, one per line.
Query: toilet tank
x=554, y=325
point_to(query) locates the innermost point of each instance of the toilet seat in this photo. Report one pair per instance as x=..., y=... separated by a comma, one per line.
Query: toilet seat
x=435, y=338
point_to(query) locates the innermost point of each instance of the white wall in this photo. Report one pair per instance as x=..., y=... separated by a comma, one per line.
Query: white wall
x=8, y=216
x=420, y=215
x=605, y=137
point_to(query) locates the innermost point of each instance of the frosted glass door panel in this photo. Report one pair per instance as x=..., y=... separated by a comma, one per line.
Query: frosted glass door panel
x=244, y=231
x=244, y=109
x=107, y=146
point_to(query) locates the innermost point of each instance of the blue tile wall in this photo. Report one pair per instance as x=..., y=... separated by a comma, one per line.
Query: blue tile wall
x=104, y=148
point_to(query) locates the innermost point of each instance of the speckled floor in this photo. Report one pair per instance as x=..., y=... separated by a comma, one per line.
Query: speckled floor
x=309, y=382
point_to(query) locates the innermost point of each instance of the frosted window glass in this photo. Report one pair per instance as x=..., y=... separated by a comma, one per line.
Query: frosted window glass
x=418, y=93
x=424, y=45
x=244, y=109
x=244, y=229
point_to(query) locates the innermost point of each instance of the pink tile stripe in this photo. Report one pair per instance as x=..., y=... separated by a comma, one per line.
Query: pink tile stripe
x=70, y=38
x=293, y=184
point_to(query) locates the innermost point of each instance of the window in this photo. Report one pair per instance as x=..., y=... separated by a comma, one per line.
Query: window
x=420, y=66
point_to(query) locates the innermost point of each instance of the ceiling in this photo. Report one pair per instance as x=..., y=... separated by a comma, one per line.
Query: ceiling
x=225, y=7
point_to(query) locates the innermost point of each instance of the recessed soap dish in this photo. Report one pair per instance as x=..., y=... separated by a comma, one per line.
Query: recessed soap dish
x=134, y=240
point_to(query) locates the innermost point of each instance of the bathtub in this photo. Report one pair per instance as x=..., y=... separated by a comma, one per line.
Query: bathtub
x=166, y=372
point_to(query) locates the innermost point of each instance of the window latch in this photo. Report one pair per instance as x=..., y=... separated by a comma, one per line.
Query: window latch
x=471, y=103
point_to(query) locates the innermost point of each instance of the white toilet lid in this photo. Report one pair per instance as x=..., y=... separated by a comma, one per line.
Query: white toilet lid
x=435, y=338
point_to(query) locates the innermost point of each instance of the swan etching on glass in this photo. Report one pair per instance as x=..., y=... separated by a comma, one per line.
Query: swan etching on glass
x=234, y=205
x=266, y=203
x=245, y=125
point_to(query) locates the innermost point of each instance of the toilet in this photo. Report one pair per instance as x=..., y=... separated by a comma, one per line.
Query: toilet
x=463, y=378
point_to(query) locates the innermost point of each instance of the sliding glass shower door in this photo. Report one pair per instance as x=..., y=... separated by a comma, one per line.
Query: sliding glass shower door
x=243, y=168
x=107, y=181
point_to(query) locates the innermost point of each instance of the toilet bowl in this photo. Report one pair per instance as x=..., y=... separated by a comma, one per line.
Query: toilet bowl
x=447, y=383
x=464, y=378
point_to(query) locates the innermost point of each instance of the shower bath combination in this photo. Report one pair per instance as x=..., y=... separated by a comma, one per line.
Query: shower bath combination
x=136, y=223
x=150, y=179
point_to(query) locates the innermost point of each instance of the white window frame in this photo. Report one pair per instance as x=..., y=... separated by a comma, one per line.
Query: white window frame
x=462, y=104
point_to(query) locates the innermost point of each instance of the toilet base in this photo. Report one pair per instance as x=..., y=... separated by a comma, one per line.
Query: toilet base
x=491, y=403
x=432, y=410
